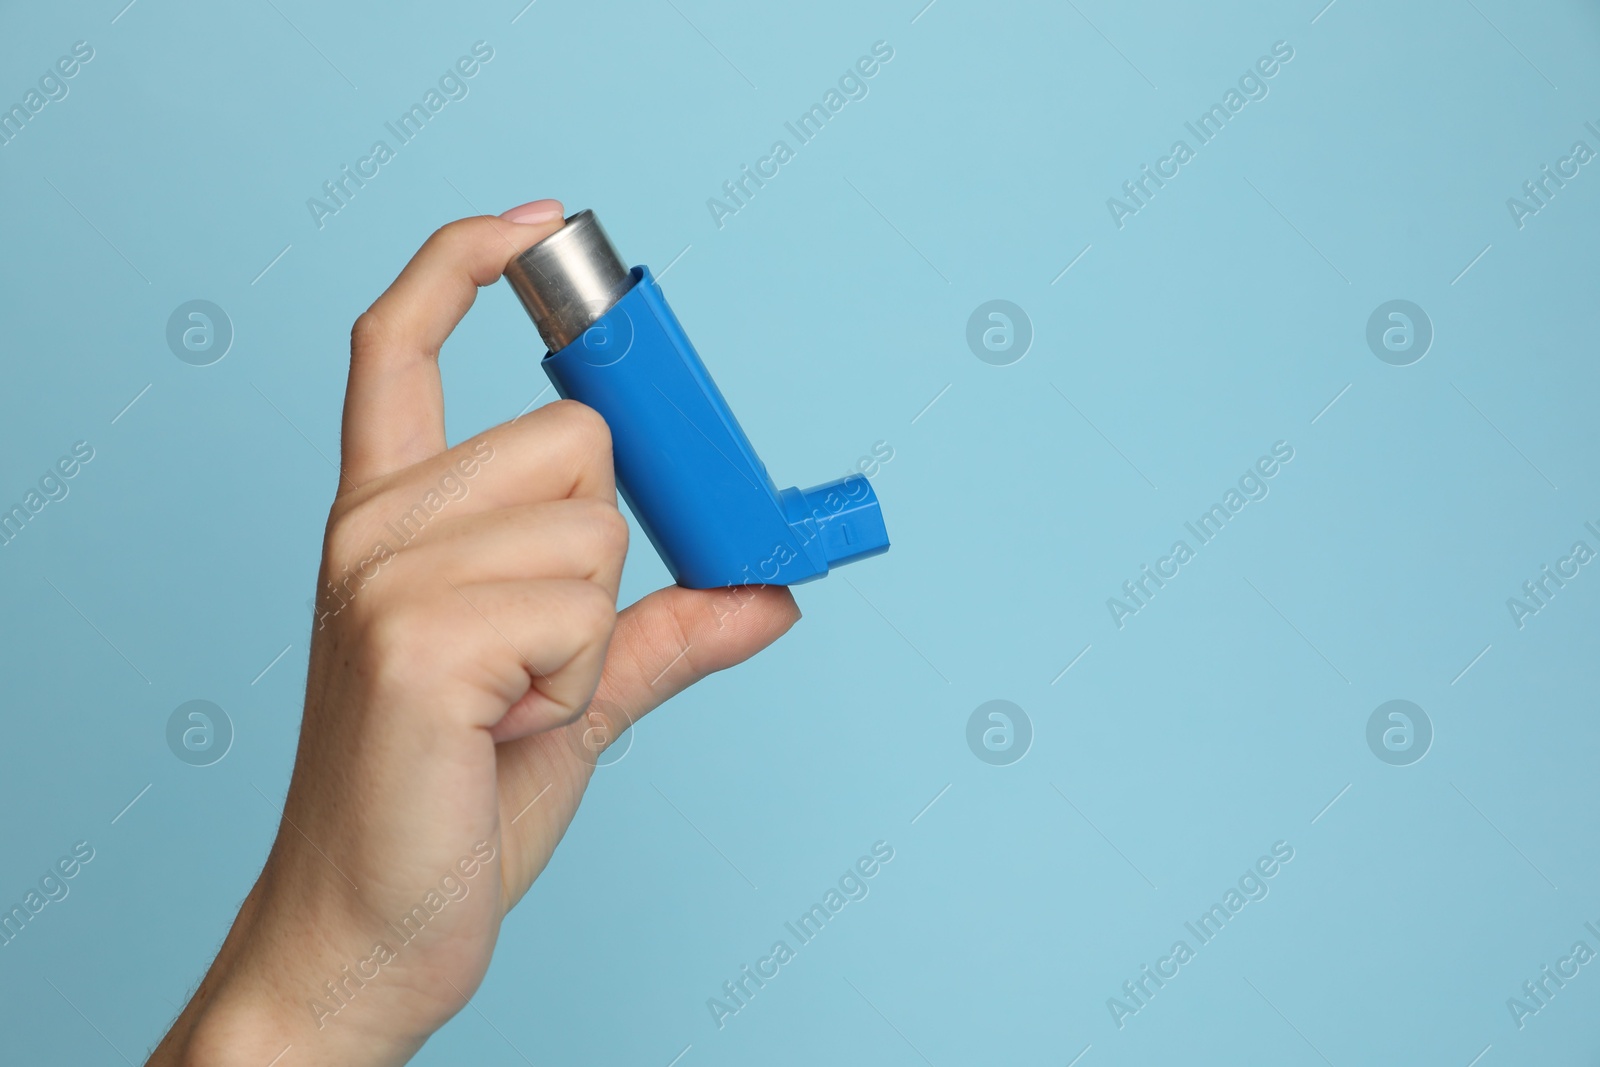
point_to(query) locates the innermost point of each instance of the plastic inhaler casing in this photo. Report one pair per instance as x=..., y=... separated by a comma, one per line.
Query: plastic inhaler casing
x=684, y=466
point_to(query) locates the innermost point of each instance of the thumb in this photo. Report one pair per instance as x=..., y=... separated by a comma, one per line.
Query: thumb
x=659, y=647
x=674, y=637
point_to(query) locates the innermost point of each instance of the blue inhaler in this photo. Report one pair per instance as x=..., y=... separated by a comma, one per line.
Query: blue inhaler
x=684, y=466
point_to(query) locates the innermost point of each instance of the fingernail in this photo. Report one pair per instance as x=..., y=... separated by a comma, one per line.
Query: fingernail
x=534, y=211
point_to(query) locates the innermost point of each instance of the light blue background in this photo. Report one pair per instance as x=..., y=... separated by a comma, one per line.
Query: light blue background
x=1221, y=319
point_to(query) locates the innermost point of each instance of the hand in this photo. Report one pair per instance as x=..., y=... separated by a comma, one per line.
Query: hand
x=466, y=617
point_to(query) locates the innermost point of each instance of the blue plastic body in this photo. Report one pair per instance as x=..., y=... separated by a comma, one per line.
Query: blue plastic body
x=687, y=470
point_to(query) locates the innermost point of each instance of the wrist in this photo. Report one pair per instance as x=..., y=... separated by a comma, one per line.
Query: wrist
x=250, y=1033
x=259, y=1000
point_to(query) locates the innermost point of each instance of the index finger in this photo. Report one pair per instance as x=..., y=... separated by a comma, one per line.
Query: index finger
x=394, y=403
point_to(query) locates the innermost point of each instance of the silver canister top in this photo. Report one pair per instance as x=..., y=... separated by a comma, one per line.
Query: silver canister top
x=569, y=279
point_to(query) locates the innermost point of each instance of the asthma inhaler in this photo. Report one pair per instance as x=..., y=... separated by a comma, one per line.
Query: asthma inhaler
x=684, y=466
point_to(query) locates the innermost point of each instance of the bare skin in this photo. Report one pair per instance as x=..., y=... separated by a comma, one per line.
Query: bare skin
x=446, y=693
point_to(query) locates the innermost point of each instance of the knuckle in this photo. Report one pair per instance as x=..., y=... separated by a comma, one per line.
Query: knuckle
x=356, y=555
x=367, y=335
x=452, y=236
x=402, y=512
x=604, y=525
x=464, y=242
x=344, y=538
x=616, y=528
x=593, y=611
x=397, y=638
x=583, y=423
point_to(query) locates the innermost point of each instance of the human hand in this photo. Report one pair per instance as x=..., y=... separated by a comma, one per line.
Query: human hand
x=466, y=620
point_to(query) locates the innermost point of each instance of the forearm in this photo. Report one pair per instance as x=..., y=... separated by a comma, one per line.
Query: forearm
x=256, y=1003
